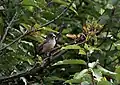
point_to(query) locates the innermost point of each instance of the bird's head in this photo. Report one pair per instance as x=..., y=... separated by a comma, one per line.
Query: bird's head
x=51, y=36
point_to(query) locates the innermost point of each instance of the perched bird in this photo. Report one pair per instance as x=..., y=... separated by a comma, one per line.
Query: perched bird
x=47, y=45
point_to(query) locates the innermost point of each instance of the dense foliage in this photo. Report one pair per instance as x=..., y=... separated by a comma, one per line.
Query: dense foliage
x=88, y=42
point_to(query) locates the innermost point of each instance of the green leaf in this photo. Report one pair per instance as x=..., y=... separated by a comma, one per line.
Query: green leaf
x=28, y=2
x=26, y=26
x=60, y=2
x=71, y=47
x=37, y=26
x=91, y=49
x=85, y=83
x=80, y=77
x=70, y=62
x=105, y=70
x=74, y=10
x=104, y=82
x=73, y=81
x=104, y=19
x=66, y=4
x=81, y=74
x=52, y=78
x=117, y=76
x=118, y=35
x=117, y=44
x=82, y=51
x=26, y=59
x=29, y=43
x=49, y=29
x=97, y=74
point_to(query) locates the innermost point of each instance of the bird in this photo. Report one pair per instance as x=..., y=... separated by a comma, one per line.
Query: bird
x=47, y=45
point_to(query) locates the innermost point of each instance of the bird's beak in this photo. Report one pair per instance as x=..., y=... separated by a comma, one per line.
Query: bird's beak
x=54, y=35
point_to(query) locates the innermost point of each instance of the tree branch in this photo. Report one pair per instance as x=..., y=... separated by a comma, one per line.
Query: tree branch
x=8, y=27
x=35, y=69
x=26, y=33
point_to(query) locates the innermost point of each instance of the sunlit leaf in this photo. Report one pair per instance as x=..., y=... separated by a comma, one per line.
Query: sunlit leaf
x=117, y=44
x=49, y=29
x=82, y=51
x=71, y=47
x=81, y=74
x=28, y=2
x=118, y=35
x=72, y=61
x=97, y=74
x=74, y=10
x=104, y=82
x=93, y=64
x=80, y=77
x=117, y=76
x=105, y=70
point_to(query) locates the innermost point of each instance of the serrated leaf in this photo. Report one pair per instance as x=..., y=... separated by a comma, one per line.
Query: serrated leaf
x=71, y=47
x=70, y=62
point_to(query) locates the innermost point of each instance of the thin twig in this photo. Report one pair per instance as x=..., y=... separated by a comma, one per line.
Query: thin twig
x=26, y=33
x=8, y=27
x=35, y=69
x=13, y=41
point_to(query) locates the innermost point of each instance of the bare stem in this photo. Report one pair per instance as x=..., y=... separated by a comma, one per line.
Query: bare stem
x=8, y=27
x=26, y=33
